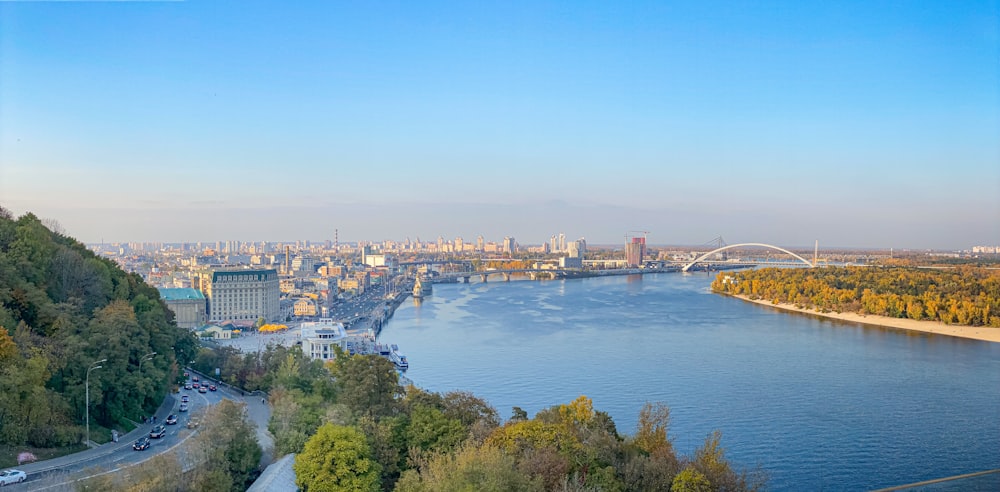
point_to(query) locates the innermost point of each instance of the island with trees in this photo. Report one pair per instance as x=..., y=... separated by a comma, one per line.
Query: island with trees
x=960, y=297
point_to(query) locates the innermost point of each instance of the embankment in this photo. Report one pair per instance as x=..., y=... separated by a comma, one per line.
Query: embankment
x=985, y=333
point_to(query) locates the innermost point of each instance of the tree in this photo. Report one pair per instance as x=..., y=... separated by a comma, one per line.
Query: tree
x=484, y=468
x=227, y=446
x=368, y=384
x=690, y=480
x=337, y=458
x=651, y=431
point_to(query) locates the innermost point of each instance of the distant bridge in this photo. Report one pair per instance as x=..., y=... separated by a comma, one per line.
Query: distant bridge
x=731, y=246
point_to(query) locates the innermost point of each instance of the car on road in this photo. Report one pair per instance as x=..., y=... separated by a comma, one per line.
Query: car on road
x=195, y=379
x=212, y=387
x=141, y=444
x=187, y=386
x=184, y=399
x=158, y=432
x=8, y=477
x=171, y=419
x=183, y=407
x=196, y=385
x=203, y=390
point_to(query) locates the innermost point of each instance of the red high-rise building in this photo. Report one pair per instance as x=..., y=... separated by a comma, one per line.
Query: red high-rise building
x=635, y=251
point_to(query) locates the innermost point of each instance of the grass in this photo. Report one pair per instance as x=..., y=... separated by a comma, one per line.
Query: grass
x=8, y=453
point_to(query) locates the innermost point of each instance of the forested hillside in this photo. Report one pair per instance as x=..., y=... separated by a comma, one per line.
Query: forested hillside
x=61, y=309
x=965, y=295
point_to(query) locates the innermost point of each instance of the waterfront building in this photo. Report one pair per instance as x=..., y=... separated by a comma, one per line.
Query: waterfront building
x=571, y=262
x=319, y=338
x=188, y=306
x=635, y=251
x=244, y=295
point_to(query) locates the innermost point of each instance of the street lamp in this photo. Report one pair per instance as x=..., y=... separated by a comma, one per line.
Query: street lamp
x=95, y=365
x=146, y=357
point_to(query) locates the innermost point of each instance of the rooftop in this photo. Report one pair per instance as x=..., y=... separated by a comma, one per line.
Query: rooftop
x=180, y=294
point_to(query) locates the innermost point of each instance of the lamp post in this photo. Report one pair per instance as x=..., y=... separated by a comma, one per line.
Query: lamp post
x=146, y=357
x=95, y=365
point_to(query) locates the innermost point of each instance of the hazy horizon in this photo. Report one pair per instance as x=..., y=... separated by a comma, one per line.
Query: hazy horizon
x=855, y=123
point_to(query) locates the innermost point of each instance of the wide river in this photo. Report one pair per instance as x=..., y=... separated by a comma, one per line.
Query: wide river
x=820, y=405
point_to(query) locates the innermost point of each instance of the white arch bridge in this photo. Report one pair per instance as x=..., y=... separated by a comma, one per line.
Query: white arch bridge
x=741, y=245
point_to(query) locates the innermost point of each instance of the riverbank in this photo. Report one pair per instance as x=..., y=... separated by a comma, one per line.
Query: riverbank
x=984, y=333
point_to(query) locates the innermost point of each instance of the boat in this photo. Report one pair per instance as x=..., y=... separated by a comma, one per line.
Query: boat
x=399, y=360
x=421, y=288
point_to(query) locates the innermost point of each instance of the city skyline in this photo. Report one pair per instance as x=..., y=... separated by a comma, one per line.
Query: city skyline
x=858, y=124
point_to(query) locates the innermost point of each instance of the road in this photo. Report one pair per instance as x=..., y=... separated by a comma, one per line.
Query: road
x=61, y=473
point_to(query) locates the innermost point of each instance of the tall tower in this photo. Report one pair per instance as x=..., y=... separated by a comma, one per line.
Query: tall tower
x=635, y=250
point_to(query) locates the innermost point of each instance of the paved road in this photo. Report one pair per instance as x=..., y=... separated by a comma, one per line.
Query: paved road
x=61, y=473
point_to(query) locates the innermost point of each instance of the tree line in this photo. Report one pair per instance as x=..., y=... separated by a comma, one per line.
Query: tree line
x=62, y=309
x=963, y=295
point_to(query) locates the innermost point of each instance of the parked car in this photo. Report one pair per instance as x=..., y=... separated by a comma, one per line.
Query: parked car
x=183, y=407
x=141, y=444
x=8, y=477
x=158, y=432
x=203, y=390
x=193, y=423
x=171, y=419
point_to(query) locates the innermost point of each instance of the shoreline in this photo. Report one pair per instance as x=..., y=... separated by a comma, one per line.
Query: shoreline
x=982, y=333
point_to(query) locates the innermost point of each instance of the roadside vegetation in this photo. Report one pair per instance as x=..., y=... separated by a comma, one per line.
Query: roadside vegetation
x=62, y=309
x=355, y=428
x=963, y=295
x=223, y=456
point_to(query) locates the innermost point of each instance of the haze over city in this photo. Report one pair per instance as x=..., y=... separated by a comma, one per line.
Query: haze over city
x=856, y=123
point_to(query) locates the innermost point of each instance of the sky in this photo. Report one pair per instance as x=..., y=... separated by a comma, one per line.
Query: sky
x=859, y=124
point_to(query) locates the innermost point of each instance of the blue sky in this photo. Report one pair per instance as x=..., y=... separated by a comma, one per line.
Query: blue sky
x=872, y=124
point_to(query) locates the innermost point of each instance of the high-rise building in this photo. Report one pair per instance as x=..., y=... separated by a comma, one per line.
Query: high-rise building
x=244, y=295
x=479, y=244
x=635, y=251
x=508, y=245
x=562, y=242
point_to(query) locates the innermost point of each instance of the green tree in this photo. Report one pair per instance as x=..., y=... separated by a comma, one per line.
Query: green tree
x=367, y=384
x=227, y=446
x=337, y=458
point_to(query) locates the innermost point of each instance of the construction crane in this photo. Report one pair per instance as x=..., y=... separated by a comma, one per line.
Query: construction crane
x=629, y=234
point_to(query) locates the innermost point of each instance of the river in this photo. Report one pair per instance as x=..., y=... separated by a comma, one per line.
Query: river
x=818, y=404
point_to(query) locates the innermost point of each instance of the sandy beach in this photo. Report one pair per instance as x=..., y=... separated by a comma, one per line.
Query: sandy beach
x=985, y=333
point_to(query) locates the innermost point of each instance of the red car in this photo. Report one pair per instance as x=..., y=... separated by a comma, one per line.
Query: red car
x=195, y=385
x=212, y=388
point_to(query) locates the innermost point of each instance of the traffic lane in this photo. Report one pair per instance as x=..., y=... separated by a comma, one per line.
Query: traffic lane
x=124, y=455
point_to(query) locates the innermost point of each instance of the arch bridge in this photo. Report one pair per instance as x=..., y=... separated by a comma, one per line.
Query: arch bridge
x=760, y=245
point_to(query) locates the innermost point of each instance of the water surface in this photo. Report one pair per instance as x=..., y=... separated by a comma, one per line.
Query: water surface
x=821, y=405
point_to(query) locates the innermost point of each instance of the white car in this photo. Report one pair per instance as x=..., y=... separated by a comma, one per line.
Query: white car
x=8, y=477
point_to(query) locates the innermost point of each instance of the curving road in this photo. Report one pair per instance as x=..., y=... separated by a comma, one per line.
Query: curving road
x=61, y=473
